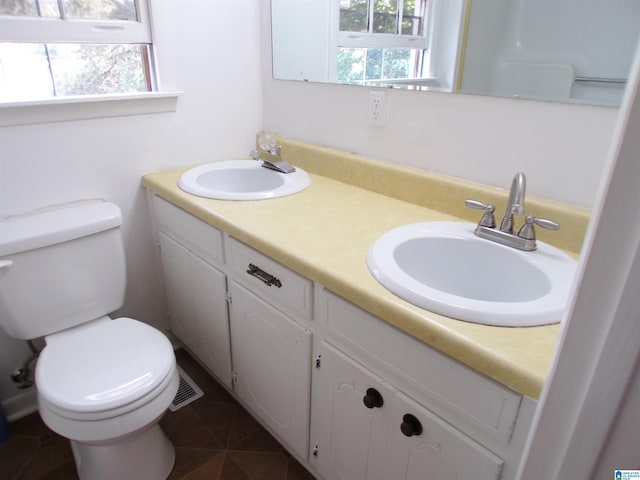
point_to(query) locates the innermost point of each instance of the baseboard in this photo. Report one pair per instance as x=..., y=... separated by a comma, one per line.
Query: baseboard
x=21, y=405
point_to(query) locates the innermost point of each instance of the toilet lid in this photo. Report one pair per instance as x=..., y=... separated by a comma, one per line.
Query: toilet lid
x=103, y=365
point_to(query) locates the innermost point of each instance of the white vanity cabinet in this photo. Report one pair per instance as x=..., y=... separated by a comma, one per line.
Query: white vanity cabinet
x=271, y=346
x=351, y=396
x=196, y=289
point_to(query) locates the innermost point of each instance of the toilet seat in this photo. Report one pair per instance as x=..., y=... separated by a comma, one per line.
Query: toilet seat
x=104, y=368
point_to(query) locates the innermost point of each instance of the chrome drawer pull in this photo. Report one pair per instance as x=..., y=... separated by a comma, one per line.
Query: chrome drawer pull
x=264, y=276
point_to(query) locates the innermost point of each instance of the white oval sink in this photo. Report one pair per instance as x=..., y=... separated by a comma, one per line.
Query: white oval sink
x=241, y=180
x=443, y=267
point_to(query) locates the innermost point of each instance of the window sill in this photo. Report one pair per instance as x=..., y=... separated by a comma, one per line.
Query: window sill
x=63, y=109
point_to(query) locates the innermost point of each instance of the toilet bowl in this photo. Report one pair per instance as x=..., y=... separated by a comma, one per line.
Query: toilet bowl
x=104, y=386
x=102, y=383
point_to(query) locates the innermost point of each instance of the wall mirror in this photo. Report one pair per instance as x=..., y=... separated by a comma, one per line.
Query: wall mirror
x=577, y=51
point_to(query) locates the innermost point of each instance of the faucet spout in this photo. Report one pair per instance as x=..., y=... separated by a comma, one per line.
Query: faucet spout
x=515, y=204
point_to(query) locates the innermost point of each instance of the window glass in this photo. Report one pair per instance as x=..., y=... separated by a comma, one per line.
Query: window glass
x=354, y=15
x=19, y=7
x=87, y=9
x=369, y=65
x=413, y=16
x=98, y=69
x=101, y=9
x=24, y=72
x=38, y=71
x=385, y=16
x=48, y=8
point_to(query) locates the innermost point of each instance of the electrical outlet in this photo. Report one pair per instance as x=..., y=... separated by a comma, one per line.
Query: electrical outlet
x=377, y=108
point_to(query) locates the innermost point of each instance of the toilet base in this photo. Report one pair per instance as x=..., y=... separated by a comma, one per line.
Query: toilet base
x=145, y=455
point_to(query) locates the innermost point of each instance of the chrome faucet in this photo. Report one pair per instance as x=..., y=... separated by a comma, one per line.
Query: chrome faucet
x=270, y=154
x=515, y=204
x=525, y=239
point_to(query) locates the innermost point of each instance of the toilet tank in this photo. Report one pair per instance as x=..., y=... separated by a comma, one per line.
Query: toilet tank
x=59, y=267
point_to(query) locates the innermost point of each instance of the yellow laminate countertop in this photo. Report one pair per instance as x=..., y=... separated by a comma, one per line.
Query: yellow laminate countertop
x=324, y=233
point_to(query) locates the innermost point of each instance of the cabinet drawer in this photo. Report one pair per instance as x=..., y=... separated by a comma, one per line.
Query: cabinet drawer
x=198, y=236
x=464, y=397
x=274, y=282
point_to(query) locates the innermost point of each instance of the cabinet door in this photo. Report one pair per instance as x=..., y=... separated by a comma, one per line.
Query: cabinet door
x=352, y=438
x=271, y=361
x=196, y=296
x=177, y=279
x=210, y=315
x=425, y=446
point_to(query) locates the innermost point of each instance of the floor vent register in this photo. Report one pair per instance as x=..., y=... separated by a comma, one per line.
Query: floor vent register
x=188, y=392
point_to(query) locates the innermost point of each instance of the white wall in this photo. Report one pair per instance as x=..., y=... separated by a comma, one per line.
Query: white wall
x=621, y=448
x=212, y=47
x=560, y=147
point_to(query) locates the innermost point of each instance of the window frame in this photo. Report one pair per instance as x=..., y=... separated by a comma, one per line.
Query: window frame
x=370, y=39
x=86, y=107
x=162, y=98
x=22, y=29
x=419, y=44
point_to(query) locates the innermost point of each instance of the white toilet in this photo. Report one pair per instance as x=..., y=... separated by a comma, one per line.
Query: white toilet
x=102, y=383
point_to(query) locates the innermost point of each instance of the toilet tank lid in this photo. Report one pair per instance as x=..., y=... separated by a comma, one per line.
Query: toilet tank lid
x=56, y=224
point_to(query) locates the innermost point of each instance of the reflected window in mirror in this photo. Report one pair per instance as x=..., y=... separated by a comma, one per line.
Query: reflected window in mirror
x=382, y=40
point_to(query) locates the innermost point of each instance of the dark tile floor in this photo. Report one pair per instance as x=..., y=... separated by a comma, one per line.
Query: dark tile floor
x=214, y=437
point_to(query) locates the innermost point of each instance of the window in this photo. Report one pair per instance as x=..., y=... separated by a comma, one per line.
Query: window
x=51, y=48
x=382, y=40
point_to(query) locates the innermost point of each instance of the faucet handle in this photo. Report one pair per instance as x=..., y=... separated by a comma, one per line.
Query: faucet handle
x=527, y=230
x=488, y=219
